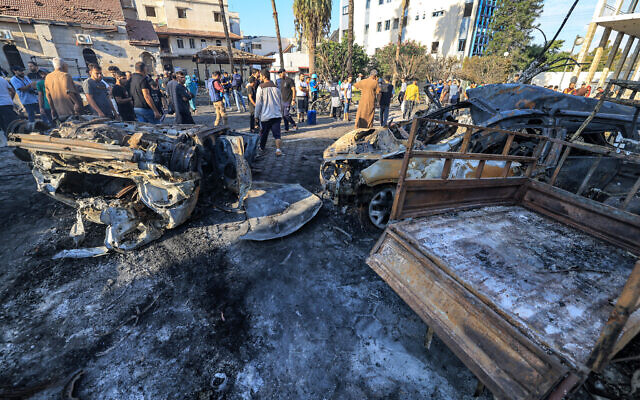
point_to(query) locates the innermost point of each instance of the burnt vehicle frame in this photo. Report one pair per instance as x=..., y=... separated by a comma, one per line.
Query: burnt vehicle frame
x=525, y=108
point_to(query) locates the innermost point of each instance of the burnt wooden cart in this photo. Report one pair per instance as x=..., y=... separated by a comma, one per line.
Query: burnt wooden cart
x=530, y=285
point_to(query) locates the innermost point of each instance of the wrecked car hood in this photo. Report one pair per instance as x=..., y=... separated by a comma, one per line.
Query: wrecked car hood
x=365, y=143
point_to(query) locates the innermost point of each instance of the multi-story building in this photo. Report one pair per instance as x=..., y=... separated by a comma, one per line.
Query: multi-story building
x=263, y=45
x=447, y=27
x=80, y=31
x=184, y=27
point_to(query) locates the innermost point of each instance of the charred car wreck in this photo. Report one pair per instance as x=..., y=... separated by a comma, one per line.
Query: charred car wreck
x=363, y=166
x=142, y=179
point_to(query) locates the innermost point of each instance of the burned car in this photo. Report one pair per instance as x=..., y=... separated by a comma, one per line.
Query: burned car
x=142, y=179
x=363, y=166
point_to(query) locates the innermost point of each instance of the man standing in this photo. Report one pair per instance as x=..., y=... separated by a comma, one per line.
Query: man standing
x=445, y=95
x=43, y=103
x=26, y=90
x=7, y=114
x=61, y=92
x=454, y=92
x=288, y=94
x=269, y=110
x=34, y=71
x=412, y=96
x=314, y=88
x=226, y=86
x=123, y=98
x=302, y=98
x=369, y=89
x=98, y=94
x=180, y=96
x=236, y=86
x=251, y=96
x=347, y=87
x=140, y=90
x=386, y=93
x=216, y=94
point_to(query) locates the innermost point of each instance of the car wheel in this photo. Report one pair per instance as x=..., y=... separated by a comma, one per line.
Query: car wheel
x=380, y=206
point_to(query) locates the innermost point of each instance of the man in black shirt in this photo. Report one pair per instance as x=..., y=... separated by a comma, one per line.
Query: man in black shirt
x=179, y=97
x=251, y=96
x=288, y=94
x=386, y=93
x=143, y=105
x=34, y=71
x=122, y=97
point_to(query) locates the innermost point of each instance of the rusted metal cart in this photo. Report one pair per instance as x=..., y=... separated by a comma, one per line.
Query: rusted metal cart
x=531, y=285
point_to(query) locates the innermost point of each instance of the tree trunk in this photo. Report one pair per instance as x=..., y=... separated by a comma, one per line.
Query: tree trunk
x=275, y=18
x=403, y=20
x=350, y=41
x=226, y=34
x=312, y=53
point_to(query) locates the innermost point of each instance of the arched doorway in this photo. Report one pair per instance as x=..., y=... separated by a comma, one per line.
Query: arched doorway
x=13, y=55
x=149, y=61
x=89, y=57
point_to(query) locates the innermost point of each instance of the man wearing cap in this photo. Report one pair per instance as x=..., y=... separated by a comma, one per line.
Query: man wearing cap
x=314, y=89
x=26, y=90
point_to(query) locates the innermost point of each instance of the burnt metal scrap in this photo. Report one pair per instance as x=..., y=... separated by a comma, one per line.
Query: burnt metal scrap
x=364, y=164
x=141, y=180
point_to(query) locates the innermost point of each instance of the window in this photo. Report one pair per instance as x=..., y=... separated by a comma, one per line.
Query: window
x=217, y=17
x=462, y=43
x=368, y=3
x=434, y=47
x=468, y=8
x=182, y=12
x=192, y=43
x=366, y=28
x=256, y=46
x=417, y=17
x=379, y=27
x=396, y=22
x=387, y=24
x=424, y=15
x=203, y=43
x=180, y=43
x=150, y=11
x=345, y=10
x=438, y=13
x=218, y=42
x=380, y=2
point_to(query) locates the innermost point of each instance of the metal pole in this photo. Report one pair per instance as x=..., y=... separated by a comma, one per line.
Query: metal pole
x=570, y=55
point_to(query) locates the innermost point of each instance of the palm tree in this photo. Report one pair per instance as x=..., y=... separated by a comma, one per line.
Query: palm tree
x=403, y=22
x=313, y=19
x=226, y=33
x=350, y=41
x=275, y=18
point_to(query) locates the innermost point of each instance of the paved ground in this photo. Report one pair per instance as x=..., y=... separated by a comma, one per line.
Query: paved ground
x=199, y=314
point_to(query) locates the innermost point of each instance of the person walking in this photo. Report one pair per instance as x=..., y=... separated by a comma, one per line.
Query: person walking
x=61, y=92
x=386, y=93
x=122, y=97
x=269, y=110
x=334, y=92
x=369, y=90
x=179, y=96
x=347, y=89
x=98, y=94
x=412, y=97
x=140, y=89
x=7, y=113
x=216, y=93
x=314, y=88
x=252, y=86
x=192, y=86
x=26, y=90
x=226, y=86
x=236, y=88
x=302, y=98
x=288, y=95
x=43, y=103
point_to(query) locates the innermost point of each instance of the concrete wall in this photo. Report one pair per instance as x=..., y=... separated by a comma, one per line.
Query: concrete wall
x=44, y=42
x=553, y=78
x=446, y=29
x=200, y=14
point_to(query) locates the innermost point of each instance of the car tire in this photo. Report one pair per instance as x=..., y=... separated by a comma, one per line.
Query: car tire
x=380, y=205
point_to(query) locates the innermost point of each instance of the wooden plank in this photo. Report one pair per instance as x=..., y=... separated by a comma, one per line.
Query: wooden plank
x=507, y=145
x=446, y=169
x=587, y=177
x=506, y=169
x=398, y=199
x=603, y=350
x=632, y=192
x=480, y=168
x=465, y=141
x=471, y=156
x=565, y=154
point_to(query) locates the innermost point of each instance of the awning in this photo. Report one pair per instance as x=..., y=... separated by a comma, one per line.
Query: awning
x=219, y=55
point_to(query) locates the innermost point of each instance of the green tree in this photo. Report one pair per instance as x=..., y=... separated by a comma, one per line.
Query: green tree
x=412, y=60
x=553, y=56
x=313, y=20
x=484, y=70
x=512, y=26
x=331, y=58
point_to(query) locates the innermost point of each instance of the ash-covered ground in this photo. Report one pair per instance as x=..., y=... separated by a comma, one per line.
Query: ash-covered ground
x=199, y=314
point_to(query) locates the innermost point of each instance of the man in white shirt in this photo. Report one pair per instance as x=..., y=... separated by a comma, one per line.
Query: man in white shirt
x=302, y=98
x=346, y=92
x=7, y=113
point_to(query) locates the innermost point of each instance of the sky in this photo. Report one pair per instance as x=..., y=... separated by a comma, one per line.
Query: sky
x=256, y=18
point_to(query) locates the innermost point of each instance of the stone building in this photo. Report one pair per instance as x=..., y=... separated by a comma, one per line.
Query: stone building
x=186, y=27
x=79, y=31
